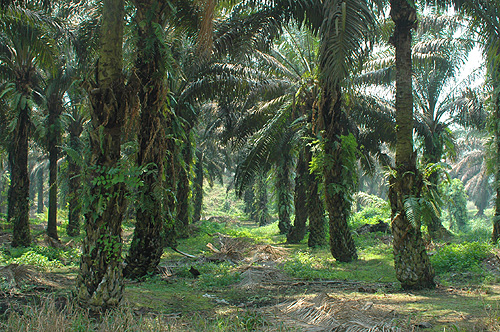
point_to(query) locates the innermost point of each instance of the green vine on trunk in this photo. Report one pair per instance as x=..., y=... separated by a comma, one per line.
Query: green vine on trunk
x=103, y=183
x=348, y=155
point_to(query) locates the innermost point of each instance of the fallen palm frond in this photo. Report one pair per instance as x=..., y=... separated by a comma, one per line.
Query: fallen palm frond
x=324, y=313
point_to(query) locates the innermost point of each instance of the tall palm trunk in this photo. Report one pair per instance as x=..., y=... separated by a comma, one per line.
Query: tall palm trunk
x=155, y=210
x=18, y=209
x=262, y=217
x=184, y=191
x=74, y=172
x=342, y=244
x=55, y=110
x=411, y=262
x=496, y=219
x=298, y=230
x=317, y=220
x=198, y=187
x=40, y=179
x=284, y=188
x=100, y=280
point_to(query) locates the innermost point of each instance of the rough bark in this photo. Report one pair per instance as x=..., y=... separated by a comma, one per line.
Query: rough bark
x=54, y=133
x=284, y=188
x=342, y=244
x=74, y=175
x=298, y=230
x=156, y=201
x=99, y=284
x=184, y=192
x=41, y=186
x=198, y=187
x=317, y=220
x=262, y=217
x=411, y=262
x=18, y=205
x=496, y=218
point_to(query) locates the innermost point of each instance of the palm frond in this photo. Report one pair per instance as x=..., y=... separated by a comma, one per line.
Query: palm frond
x=344, y=33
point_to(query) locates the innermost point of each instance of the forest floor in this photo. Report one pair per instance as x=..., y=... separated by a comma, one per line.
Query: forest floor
x=245, y=278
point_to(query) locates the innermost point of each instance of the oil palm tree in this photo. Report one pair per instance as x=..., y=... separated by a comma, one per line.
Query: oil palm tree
x=412, y=265
x=483, y=21
x=100, y=280
x=437, y=56
x=25, y=48
x=56, y=86
x=75, y=120
x=155, y=209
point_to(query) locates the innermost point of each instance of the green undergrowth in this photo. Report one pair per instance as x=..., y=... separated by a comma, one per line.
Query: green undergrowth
x=41, y=256
x=218, y=201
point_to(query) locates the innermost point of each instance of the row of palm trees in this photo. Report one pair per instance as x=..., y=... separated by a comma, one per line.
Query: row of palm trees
x=154, y=75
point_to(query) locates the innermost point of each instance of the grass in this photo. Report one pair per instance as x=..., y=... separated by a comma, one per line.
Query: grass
x=177, y=301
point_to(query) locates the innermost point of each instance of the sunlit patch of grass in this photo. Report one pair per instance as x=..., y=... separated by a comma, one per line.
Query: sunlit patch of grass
x=265, y=234
x=320, y=265
x=217, y=201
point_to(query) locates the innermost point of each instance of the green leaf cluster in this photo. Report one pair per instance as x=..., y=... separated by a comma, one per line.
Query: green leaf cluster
x=463, y=257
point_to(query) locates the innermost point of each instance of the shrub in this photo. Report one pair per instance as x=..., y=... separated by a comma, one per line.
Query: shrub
x=370, y=215
x=45, y=257
x=460, y=257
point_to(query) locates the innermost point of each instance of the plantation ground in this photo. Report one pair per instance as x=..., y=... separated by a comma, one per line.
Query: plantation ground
x=251, y=280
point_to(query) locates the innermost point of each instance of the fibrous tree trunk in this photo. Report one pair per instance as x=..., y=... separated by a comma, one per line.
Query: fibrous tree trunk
x=99, y=284
x=198, y=187
x=262, y=217
x=496, y=218
x=74, y=182
x=284, y=190
x=18, y=205
x=337, y=189
x=298, y=230
x=54, y=133
x=184, y=191
x=156, y=201
x=411, y=262
x=316, y=209
x=40, y=179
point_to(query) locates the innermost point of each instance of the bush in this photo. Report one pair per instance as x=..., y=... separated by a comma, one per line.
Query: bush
x=463, y=257
x=45, y=257
x=370, y=215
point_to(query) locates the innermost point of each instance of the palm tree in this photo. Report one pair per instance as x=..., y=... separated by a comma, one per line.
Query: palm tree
x=25, y=47
x=100, y=280
x=411, y=262
x=437, y=56
x=483, y=21
x=156, y=201
x=342, y=37
x=75, y=124
x=56, y=87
